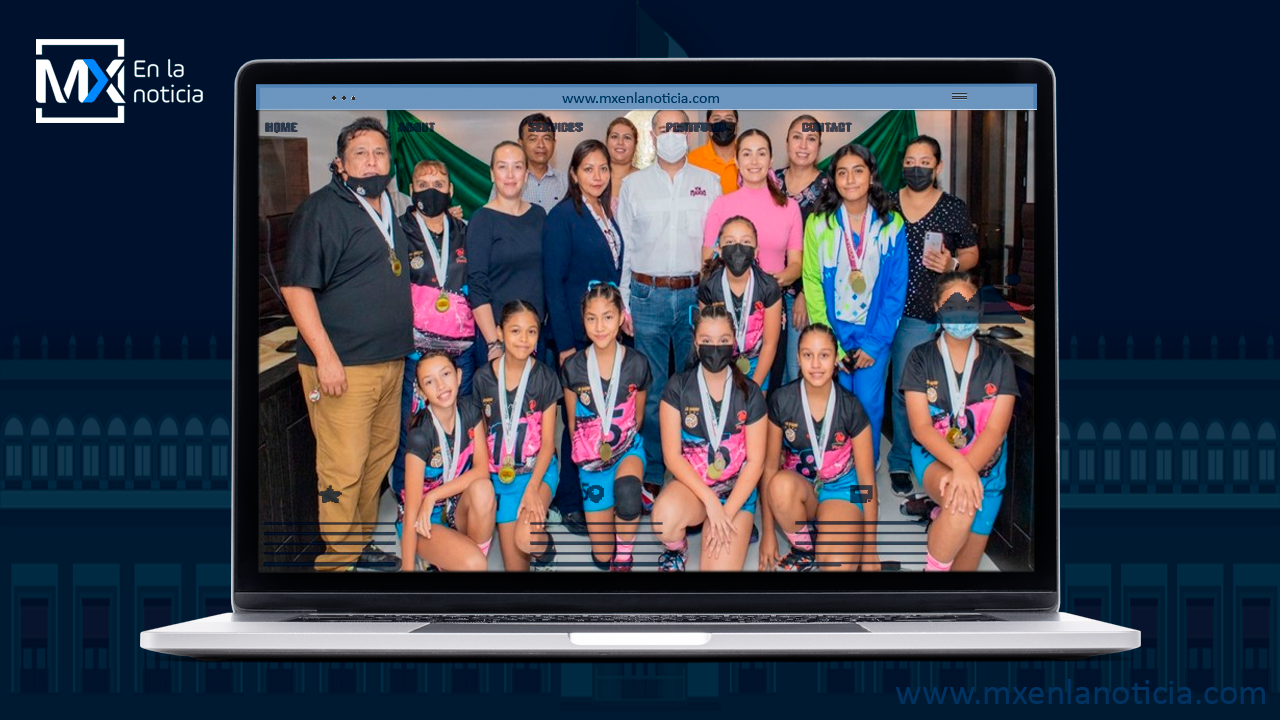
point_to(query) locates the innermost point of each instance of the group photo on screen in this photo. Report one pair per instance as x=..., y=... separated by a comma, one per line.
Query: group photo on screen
x=662, y=340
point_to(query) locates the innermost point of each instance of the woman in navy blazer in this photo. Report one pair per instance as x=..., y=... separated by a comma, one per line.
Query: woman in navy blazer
x=581, y=242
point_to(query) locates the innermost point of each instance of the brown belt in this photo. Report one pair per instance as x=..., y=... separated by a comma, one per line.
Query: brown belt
x=671, y=282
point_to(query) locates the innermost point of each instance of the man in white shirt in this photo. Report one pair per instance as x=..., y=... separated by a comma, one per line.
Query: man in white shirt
x=661, y=211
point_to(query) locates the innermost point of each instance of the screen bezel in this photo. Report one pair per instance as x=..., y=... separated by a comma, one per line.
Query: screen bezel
x=253, y=589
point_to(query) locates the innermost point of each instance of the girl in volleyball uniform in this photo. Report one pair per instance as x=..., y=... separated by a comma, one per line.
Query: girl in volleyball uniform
x=713, y=435
x=518, y=397
x=820, y=441
x=447, y=497
x=605, y=385
x=734, y=279
x=960, y=394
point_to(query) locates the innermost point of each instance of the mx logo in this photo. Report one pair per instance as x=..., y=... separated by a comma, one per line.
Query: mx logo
x=85, y=82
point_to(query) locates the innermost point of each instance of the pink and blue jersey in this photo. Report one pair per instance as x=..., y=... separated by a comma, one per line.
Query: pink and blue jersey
x=992, y=375
x=588, y=431
x=447, y=325
x=766, y=294
x=682, y=394
x=786, y=411
x=424, y=442
x=542, y=392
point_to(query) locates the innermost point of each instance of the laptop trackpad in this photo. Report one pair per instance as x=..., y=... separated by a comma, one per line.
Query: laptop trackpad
x=637, y=639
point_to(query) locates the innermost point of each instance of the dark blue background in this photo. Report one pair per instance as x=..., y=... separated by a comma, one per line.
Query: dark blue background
x=1164, y=170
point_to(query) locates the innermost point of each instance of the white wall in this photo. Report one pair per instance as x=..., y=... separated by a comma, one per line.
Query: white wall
x=478, y=132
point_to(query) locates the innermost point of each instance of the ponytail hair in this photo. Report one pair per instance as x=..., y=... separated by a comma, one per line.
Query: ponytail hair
x=714, y=311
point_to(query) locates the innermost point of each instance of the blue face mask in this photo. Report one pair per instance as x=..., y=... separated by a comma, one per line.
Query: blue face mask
x=960, y=330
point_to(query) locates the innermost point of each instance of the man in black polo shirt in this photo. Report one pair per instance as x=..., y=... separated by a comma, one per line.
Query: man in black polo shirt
x=346, y=282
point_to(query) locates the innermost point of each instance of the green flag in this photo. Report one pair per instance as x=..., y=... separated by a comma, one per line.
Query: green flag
x=469, y=174
x=887, y=140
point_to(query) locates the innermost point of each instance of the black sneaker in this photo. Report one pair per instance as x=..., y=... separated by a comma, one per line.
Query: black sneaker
x=372, y=558
x=575, y=523
x=798, y=560
x=546, y=561
x=901, y=481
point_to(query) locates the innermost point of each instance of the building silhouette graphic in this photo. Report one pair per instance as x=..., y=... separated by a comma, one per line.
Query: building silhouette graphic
x=114, y=512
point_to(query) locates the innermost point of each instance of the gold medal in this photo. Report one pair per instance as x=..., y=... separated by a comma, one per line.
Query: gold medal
x=442, y=303
x=507, y=474
x=955, y=437
x=714, y=472
x=606, y=452
x=857, y=282
x=744, y=365
x=395, y=262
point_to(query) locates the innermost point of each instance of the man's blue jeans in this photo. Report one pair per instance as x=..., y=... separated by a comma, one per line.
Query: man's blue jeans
x=661, y=320
x=911, y=332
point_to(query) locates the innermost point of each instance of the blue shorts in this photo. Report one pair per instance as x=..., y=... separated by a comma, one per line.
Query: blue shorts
x=597, y=487
x=437, y=513
x=847, y=491
x=509, y=495
x=984, y=519
x=749, y=505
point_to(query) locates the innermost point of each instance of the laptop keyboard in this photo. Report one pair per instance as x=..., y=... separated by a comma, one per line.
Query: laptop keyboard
x=632, y=619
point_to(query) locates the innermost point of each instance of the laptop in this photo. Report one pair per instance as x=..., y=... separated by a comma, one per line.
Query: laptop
x=308, y=585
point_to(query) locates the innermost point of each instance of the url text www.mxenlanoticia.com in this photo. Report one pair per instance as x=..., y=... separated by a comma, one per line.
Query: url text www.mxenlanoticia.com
x=1144, y=694
x=634, y=98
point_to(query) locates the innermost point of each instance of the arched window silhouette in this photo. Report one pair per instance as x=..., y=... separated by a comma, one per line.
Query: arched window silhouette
x=40, y=453
x=66, y=438
x=220, y=449
x=1138, y=448
x=116, y=438
x=1064, y=456
x=1111, y=473
x=193, y=440
x=1267, y=455
x=1215, y=453
x=1189, y=451
x=142, y=449
x=1087, y=452
x=90, y=449
x=14, y=439
x=1164, y=457
x=168, y=450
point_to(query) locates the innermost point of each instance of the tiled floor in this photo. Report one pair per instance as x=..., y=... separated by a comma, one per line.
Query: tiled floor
x=900, y=538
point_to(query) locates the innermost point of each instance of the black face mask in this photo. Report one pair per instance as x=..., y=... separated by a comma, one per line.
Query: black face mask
x=715, y=357
x=917, y=178
x=431, y=202
x=723, y=132
x=368, y=187
x=738, y=257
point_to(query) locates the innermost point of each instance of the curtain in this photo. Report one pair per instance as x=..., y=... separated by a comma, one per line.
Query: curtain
x=469, y=174
x=887, y=140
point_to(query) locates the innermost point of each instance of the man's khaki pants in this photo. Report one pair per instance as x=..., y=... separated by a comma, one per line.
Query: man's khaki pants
x=356, y=437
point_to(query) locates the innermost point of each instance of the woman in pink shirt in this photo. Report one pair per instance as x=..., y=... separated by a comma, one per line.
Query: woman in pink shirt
x=780, y=233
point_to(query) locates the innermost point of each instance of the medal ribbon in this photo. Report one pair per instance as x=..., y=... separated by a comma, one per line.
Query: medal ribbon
x=384, y=222
x=510, y=416
x=958, y=395
x=819, y=444
x=855, y=258
x=440, y=258
x=715, y=423
x=739, y=323
x=449, y=468
x=604, y=404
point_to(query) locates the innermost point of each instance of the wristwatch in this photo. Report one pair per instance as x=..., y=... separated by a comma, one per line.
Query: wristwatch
x=955, y=264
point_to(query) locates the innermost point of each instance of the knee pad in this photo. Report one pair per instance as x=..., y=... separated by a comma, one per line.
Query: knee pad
x=626, y=497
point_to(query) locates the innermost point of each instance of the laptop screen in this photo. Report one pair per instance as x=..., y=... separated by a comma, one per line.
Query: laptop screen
x=646, y=327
